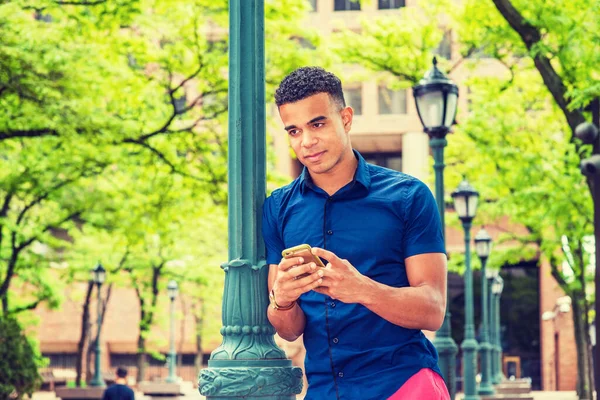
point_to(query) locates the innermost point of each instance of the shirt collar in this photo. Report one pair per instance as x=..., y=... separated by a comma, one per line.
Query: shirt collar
x=361, y=176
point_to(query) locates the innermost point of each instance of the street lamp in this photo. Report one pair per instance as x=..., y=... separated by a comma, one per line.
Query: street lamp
x=98, y=277
x=588, y=134
x=497, y=287
x=483, y=248
x=172, y=289
x=465, y=203
x=436, y=99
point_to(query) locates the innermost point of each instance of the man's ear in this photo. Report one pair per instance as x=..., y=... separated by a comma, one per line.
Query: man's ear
x=347, y=115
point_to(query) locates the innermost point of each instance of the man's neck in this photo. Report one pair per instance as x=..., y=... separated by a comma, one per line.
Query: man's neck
x=339, y=176
x=121, y=381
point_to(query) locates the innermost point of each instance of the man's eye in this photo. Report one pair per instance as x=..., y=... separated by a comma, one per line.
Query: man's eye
x=318, y=124
x=293, y=132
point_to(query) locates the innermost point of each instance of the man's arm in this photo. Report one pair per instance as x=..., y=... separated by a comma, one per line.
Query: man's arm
x=289, y=324
x=420, y=306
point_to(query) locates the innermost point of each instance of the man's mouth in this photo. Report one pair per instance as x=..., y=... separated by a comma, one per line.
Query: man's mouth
x=314, y=156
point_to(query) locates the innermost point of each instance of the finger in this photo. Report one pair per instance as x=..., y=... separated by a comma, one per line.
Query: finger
x=297, y=287
x=301, y=270
x=287, y=263
x=326, y=254
x=309, y=279
x=312, y=283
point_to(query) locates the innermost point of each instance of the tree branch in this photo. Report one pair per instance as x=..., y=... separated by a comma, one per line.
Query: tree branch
x=10, y=134
x=80, y=3
x=28, y=307
x=531, y=37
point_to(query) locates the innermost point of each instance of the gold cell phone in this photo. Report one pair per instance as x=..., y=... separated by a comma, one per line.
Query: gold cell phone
x=304, y=251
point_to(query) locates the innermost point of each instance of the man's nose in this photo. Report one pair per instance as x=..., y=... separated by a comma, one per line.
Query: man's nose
x=308, y=139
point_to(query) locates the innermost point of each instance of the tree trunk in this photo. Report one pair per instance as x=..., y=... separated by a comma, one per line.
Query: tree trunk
x=584, y=385
x=88, y=357
x=85, y=325
x=141, y=358
x=199, y=319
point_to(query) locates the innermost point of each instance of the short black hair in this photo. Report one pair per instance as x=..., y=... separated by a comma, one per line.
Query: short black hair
x=308, y=81
x=121, y=372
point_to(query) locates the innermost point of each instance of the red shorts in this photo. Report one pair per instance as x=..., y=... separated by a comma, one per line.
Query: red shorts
x=424, y=385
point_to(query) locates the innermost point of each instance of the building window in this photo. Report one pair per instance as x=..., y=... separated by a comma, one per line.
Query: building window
x=387, y=160
x=392, y=101
x=391, y=4
x=444, y=49
x=313, y=5
x=346, y=5
x=123, y=360
x=353, y=97
x=62, y=360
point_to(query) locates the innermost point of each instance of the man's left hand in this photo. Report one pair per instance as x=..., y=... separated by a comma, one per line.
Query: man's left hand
x=341, y=280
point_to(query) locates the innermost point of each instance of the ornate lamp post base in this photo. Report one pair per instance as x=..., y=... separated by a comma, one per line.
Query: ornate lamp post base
x=254, y=379
x=486, y=388
x=447, y=351
x=469, y=348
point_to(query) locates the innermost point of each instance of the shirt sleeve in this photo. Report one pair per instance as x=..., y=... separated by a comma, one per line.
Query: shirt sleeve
x=422, y=221
x=270, y=230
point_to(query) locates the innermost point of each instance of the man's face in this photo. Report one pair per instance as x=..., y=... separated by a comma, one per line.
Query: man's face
x=318, y=131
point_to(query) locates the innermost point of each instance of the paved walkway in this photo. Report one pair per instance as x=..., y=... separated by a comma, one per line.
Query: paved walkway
x=545, y=396
x=194, y=395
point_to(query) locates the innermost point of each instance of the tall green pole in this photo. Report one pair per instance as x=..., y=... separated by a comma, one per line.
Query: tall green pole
x=443, y=342
x=248, y=363
x=97, y=380
x=469, y=344
x=492, y=314
x=498, y=345
x=485, y=348
x=172, y=378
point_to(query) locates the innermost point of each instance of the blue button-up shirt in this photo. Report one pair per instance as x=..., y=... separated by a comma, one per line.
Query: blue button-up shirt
x=375, y=222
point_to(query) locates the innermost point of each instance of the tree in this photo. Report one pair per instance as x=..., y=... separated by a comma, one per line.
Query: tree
x=519, y=125
x=18, y=361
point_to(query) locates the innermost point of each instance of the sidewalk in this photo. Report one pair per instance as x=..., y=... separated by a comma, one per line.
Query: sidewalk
x=538, y=395
x=194, y=395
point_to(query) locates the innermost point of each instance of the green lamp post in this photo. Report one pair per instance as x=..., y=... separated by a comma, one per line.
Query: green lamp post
x=98, y=277
x=465, y=204
x=436, y=98
x=248, y=363
x=491, y=274
x=483, y=248
x=172, y=290
x=497, y=287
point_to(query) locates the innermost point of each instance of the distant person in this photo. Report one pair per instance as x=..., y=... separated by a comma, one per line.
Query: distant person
x=120, y=390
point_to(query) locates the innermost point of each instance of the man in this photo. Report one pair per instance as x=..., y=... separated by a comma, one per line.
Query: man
x=120, y=390
x=380, y=233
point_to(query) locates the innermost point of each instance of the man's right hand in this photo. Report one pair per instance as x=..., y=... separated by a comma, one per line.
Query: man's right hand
x=289, y=283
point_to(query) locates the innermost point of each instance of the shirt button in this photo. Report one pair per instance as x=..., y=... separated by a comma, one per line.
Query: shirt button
x=330, y=232
x=332, y=304
x=341, y=374
x=335, y=340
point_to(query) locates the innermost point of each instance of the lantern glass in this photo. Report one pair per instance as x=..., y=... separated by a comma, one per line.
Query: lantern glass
x=431, y=109
x=98, y=274
x=465, y=201
x=451, y=101
x=172, y=289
